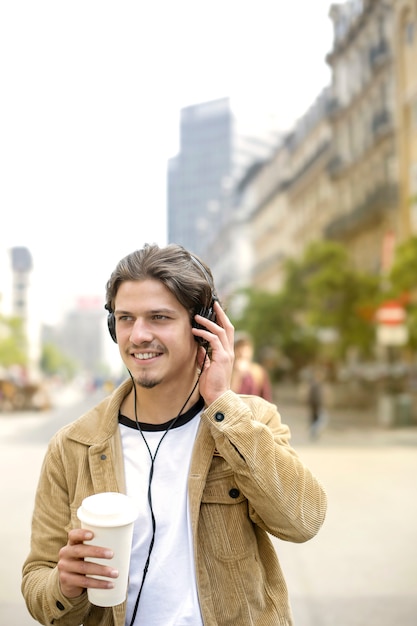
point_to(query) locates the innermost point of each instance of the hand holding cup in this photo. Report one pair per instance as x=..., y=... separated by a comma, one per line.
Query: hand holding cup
x=109, y=517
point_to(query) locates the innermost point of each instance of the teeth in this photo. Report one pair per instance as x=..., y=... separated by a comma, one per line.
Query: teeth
x=146, y=355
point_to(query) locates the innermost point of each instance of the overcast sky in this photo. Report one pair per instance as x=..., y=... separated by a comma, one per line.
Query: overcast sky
x=89, y=115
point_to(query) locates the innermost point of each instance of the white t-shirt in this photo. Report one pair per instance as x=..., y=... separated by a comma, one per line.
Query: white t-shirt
x=169, y=595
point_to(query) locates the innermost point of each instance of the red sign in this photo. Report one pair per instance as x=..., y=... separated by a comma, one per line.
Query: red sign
x=391, y=313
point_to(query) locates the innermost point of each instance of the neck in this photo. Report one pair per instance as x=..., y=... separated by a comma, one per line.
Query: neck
x=157, y=405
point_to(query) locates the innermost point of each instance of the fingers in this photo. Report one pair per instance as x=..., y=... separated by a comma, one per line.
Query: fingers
x=78, y=535
x=221, y=329
x=216, y=368
x=75, y=565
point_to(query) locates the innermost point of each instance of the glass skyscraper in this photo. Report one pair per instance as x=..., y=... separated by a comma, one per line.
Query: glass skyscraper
x=199, y=173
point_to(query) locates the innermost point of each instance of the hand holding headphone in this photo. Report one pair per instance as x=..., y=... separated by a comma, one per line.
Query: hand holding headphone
x=216, y=366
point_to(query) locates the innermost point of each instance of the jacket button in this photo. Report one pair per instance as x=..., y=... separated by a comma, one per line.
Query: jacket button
x=234, y=493
x=219, y=417
x=60, y=606
x=103, y=457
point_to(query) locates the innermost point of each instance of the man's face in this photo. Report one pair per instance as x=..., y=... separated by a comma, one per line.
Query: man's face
x=154, y=334
x=244, y=352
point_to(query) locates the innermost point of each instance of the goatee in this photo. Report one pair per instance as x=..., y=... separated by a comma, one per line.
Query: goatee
x=146, y=384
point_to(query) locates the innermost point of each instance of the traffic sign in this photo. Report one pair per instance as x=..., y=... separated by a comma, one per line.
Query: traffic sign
x=391, y=329
x=391, y=313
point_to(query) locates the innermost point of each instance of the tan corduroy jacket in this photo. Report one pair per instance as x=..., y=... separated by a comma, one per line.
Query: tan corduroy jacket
x=245, y=482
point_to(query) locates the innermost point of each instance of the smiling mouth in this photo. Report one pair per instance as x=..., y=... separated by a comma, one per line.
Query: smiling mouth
x=145, y=356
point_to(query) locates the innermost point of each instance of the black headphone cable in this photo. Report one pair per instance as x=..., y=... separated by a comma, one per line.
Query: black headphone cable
x=153, y=457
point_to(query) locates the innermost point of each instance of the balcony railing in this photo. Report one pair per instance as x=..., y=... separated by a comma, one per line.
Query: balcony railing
x=335, y=165
x=379, y=54
x=381, y=200
x=333, y=106
x=381, y=123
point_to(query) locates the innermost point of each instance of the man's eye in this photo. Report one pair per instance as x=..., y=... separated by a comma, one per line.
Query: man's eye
x=160, y=317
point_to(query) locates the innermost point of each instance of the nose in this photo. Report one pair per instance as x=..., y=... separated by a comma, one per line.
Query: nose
x=141, y=332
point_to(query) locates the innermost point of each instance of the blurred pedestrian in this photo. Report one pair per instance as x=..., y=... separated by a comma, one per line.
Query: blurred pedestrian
x=316, y=404
x=248, y=376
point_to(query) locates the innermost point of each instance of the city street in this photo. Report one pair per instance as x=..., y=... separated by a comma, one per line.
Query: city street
x=361, y=570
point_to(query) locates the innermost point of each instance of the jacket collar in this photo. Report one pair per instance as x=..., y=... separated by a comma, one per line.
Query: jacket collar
x=100, y=423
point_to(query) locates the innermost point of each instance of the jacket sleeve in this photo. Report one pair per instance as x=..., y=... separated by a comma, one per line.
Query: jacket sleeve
x=284, y=497
x=50, y=524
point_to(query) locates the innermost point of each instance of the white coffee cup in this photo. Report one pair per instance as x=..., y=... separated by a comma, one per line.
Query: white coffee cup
x=110, y=516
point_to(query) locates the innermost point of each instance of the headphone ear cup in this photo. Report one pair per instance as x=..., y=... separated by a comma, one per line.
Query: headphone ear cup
x=111, y=323
x=207, y=312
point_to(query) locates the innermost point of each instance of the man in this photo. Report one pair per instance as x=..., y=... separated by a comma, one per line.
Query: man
x=315, y=399
x=212, y=473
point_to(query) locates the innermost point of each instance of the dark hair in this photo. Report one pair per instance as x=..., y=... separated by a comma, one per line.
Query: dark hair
x=183, y=273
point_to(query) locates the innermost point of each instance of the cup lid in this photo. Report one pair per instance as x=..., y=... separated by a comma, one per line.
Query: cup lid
x=107, y=509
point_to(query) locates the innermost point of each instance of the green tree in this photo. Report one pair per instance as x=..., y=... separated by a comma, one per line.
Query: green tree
x=323, y=295
x=328, y=293
x=13, y=342
x=403, y=272
x=403, y=284
x=53, y=362
x=269, y=319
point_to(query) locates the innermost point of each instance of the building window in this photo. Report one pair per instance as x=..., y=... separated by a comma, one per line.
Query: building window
x=410, y=27
x=409, y=32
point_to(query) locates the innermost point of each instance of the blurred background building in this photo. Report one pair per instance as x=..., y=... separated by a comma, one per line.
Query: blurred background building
x=82, y=335
x=214, y=154
x=16, y=298
x=364, y=164
x=346, y=172
x=196, y=175
x=21, y=266
x=405, y=68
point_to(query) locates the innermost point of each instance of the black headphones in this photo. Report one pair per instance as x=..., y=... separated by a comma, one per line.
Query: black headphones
x=111, y=323
x=205, y=311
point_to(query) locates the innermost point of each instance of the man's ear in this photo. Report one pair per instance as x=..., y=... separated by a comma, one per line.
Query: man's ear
x=202, y=357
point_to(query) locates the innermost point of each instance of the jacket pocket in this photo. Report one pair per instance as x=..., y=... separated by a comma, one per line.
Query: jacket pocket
x=225, y=527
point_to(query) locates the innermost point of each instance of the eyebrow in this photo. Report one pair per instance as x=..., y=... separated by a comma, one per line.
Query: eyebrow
x=160, y=311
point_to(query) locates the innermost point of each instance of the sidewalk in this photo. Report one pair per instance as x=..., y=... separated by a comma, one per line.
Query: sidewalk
x=344, y=427
x=361, y=568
